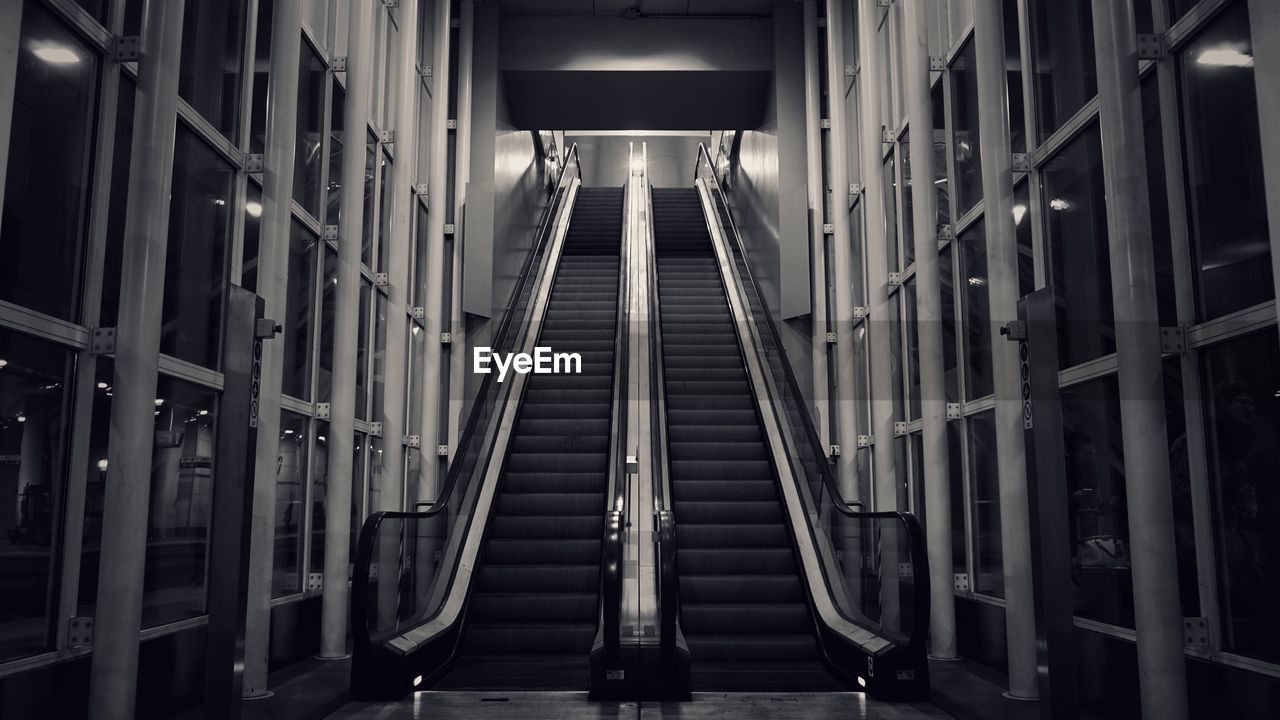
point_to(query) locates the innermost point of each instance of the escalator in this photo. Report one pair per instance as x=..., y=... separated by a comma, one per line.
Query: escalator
x=532, y=614
x=743, y=605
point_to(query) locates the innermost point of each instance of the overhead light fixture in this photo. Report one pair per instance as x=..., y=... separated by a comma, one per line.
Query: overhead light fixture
x=1019, y=212
x=57, y=55
x=204, y=412
x=159, y=402
x=102, y=386
x=22, y=418
x=253, y=208
x=1224, y=57
x=1060, y=205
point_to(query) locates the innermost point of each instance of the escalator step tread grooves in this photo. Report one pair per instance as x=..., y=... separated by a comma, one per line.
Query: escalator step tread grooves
x=531, y=618
x=743, y=607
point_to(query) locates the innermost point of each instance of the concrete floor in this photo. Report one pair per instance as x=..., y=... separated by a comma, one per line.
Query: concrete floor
x=575, y=706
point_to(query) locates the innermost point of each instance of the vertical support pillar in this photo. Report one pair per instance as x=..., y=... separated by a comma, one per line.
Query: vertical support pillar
x=122, y=565
x=403, y=208
x=1264, y=25
x=436, y=213
x=1158, y=614
x=10, y=37
x=817, y=215
x=337, y=501
x=876, y=239
x=273, y=271
x=933, y=400
x=1002, y=290
x=462, y=176
x=846, y=382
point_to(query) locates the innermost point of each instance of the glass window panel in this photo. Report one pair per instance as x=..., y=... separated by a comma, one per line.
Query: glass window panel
x=984, y=487
x=902, y=474
x=296, y=338
x=375, y=502
x=308, y=155
x=857, y=256
x=940, y=183
x=417, y=354
x=1178, y=8
x=252, y=237
x=955, y=471
x=357, y=497
x=894, y=322
x=421, y=227
x=362, y=353
x=1022, y=235
x=1226, y=190
x=977, y=311
x=913, y=347
x=319, y=486
x=182, y=481
x=915, y=444
x=114, y=255
x=46, y=190
x=379, y=356
x=261, y=78
x=1242, y=404
x=1101, y=584
x=1062, y=60
x=95, y=485
x=1184, y=535
x=950, y=355
x=196, y=264
x=212, y=50
x=333, y=212
x=391, y=49
x=891, y=213
x=424, y=131
x=291, y=478
x=413, y=476
x=862, y=413
x=34, y=428
x=1161, y=239
x=370, y=170
x=384, y=211
x=1013, y=76
x=908, y=222
x=1143, y=21
x=1076, y=222
x=964, y=128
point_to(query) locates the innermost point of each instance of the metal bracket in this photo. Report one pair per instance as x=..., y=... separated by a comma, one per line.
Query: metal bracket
x=825, y=123
x=866, y=440
x=381, y=280
x=266, y=328
x=104, y=341
x=422, y=189
x=449, y=228
x=254, y=163
x=828, y=229
x=451, y=124
x=906, y=570
x=946, y=232
x=442, y=451
x=834, y=451
x=446, y=338
x=886, y=135
x=375, y=429
x=1014, y=331
x=953, y=411
x=884, y=3
x=425, y=71
x=127, y=48
x=80, y=631
x=315, y=582
x=899, y=428
x=322, y=411
x=418, y=312
x=388, y=137
x=937, y=62
x=391, y=3
x=822, y=22
x=1150, y=46
x=962, y=582
x=895, y=279
x=338, y=63
x=831, y=338
x=412, y=440
x=1173, y=340
x=330, y=232
x=856, y=188
x=850, y=71
x=1195, y=631
x=455, y=23
x=860, y=311
x=1021, y=162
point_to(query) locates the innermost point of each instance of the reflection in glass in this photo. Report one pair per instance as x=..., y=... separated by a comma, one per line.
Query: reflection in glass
x=977, y=311
x=1101, y=585
x=913, y=347
x=984, y=472
x=182, y=481
x=212, y=50
x=384, y=212
x=1076, y=223
x=113, y=257
x=418, y=286
x=333, y=201
x=940, y=184
x=955, y=474
x=950, y=354
x=1232, y=249
x=1161, y=237
x=1242, y=404
x=290, y=516
x=370, y=170
x=891, y=213
x=362, y=354
x=252, y=238
x=46, y=188
x=34, y=427
x=196, y=263
x=1062, y=61
x=1022, y=236
x=908, y=222
x=964, y=128
x=95, y=484
x=261, y=78
x=357, y=497
x=379, y=355
x=308, y=154
x=1013, y=76
x=417, y=352
x=319, y=486
x=296, y=338
x=1184, y=531
x=328, y=306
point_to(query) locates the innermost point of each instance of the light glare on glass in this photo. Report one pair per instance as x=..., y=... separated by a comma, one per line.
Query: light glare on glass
x=57, y=55
x=1225, y=57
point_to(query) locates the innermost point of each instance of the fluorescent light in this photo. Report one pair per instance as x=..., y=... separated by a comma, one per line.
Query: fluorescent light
x=1019, y=212
x=57, y=55
x=253, y=208
x=1224, y=57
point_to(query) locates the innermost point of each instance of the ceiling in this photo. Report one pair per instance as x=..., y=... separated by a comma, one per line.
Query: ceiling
x=618, y=8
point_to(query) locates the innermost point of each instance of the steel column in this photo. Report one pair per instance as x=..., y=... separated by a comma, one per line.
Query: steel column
x=1157, y=611
x=273, y=283
x=122, y=565
x=337, y=502
x=1002, y=290
x=933, y=400
x=462, y=176
x=820, y=389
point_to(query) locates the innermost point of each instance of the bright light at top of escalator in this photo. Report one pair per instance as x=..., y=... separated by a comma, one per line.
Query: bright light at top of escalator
x=637, y=165
x=1224, y=57
x=253, y=208
x=56, y=55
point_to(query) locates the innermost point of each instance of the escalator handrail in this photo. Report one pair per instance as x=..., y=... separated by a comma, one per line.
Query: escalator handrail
x=919, y=559
x=369, y=531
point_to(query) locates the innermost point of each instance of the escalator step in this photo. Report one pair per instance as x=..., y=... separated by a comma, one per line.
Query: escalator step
x=740, y=618
x=691, y=535
x=740, y=588
x=511, y=639
x=542, y=552
x=538, y=579
x=735, y=561
x=509, y=608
